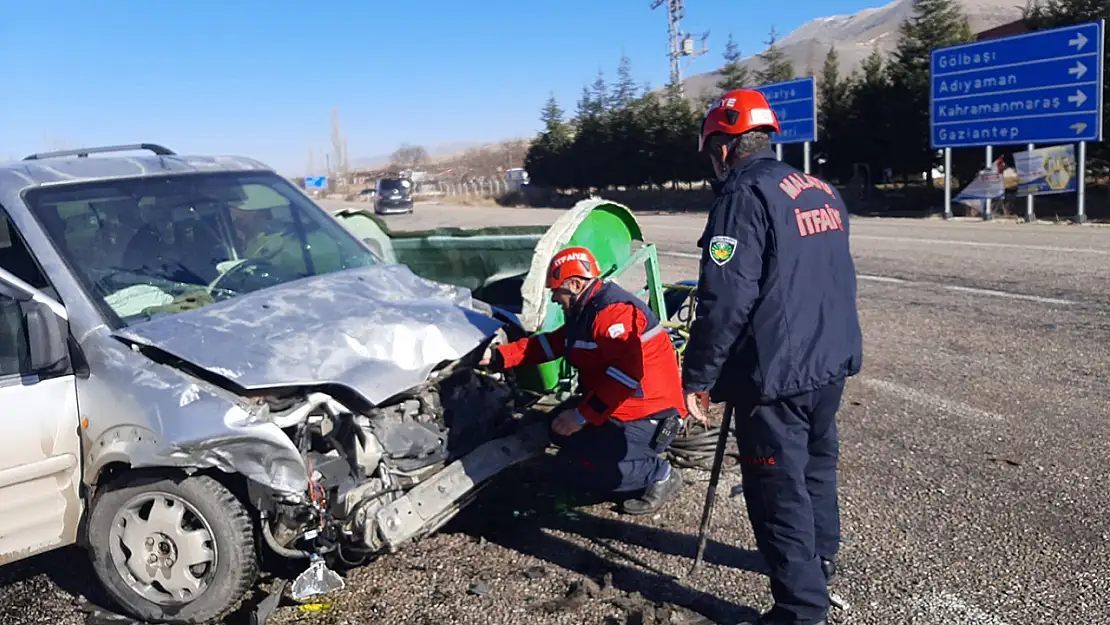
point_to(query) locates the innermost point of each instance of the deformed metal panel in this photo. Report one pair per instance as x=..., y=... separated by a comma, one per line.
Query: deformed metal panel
x=376, y=330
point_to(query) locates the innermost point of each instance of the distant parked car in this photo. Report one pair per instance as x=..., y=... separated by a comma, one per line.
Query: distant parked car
x=394, y=196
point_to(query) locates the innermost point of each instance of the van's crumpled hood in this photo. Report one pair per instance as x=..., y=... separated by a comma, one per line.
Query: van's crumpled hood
x=376, y=330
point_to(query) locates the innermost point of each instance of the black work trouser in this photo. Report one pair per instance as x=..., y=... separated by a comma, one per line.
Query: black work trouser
x=616, y=457
x=789, y=452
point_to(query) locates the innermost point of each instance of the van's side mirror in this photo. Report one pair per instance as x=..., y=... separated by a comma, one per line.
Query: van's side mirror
x=46, y=336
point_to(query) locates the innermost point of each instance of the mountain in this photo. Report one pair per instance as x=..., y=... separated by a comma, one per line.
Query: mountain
x=855, y=36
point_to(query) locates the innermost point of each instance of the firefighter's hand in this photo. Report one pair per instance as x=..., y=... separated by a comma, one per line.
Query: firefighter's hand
x=567, y=423
x=697, y=403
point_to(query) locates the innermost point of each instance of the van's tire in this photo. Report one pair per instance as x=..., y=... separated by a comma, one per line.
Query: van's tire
x=223, y=524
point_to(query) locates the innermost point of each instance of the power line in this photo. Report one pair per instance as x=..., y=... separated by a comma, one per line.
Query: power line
x=680, y=44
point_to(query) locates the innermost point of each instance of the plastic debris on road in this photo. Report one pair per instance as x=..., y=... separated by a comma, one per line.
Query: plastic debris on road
x=318, y=579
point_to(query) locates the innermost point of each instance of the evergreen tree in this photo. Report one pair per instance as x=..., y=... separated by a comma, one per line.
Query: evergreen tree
x=546, y=157
x=552, y=116
x=933, y=24
x=733, y=75
x=599, y=93
x=586, y=106
x=776, y=67
x=834, y=107
x=867, y=136
x=625, y=92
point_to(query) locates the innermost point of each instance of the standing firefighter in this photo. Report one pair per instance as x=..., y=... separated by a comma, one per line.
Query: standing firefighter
x=775, y=336
x=628, y=372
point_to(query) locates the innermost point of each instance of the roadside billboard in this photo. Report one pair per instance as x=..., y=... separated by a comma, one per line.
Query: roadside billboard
x=989, y=184
x=1046, y=171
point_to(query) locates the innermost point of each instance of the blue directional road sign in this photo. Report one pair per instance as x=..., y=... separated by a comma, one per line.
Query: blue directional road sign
x=1040, y=87
x=316, y=182
x=795, y=104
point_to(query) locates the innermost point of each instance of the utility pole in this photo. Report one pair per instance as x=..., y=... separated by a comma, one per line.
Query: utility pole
x=680, y=44
x=338, y=145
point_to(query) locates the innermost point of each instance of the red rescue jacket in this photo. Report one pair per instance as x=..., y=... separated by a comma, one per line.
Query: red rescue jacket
x=627, y=365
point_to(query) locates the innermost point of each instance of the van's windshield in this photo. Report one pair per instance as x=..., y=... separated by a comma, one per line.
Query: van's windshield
x=153, y=246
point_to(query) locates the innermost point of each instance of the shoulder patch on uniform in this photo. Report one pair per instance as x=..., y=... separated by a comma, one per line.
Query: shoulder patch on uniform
x=722, y=249
x=615, y=330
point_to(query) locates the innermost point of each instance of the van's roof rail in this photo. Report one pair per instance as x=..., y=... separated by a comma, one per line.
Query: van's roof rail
x=84, y=152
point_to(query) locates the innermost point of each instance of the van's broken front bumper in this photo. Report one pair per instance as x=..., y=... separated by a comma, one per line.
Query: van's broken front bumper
x=425, y=508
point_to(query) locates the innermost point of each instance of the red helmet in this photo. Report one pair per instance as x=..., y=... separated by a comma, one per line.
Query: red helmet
x=737, y=112
x=573, y=262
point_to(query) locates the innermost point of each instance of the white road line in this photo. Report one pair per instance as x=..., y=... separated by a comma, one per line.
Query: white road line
x=864, y=276
x=950, y=406
x=1029, y=298
x=680, y=255
x=943, y=608
x=951, y=287
x=956, y=242
x=1016, y=246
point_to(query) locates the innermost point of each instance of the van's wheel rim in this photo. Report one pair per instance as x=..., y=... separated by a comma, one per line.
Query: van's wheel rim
x=163, y=548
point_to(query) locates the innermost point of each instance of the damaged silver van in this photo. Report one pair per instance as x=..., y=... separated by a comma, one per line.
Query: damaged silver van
x=198, y=363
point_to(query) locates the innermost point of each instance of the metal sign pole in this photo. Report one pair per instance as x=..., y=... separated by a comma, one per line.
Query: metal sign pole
x=806, y=147
x=948, y=183
x=1030, y=216
x=1081, y=215
x=987, y=203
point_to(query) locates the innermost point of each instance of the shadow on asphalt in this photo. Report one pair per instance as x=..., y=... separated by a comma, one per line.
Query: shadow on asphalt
x=515, y=515
x=67, y=568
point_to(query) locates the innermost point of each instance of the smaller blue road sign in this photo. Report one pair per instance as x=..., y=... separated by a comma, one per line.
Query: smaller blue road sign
x=316, y=182
x=795, y=104
x=1039, y=87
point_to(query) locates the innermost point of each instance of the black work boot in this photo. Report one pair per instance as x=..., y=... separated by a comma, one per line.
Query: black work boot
x=767, y=618
x=655, y=495
x=769, y=621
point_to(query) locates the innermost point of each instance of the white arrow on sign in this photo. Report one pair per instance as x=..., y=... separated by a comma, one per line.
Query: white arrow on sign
x=1078, y=70
x=1079, y=98
x=1078, y=42
x=1078, y=128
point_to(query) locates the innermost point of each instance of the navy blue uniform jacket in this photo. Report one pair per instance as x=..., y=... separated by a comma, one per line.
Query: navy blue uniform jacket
x=776, y=300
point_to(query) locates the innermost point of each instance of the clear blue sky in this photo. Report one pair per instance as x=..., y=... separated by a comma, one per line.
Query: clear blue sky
x=260, y=77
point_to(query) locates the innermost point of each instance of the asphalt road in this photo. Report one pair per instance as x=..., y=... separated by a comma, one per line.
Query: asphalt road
x=974, y=475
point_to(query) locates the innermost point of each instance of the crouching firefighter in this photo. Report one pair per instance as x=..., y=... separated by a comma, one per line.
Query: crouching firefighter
x=630, y=401
x=775, y=335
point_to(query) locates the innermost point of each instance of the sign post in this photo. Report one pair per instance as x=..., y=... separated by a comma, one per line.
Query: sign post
x=795, y=105
x=948, y=183
x=1030, y=215
x=1043, y=87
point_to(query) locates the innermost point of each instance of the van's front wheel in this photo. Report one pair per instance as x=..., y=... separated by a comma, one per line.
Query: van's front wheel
x=172, y=550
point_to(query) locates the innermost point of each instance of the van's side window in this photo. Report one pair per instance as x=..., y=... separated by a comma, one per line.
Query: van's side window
x=14, y=350
x=16, y=259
